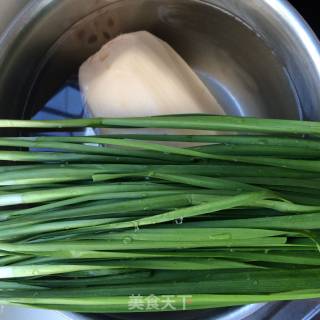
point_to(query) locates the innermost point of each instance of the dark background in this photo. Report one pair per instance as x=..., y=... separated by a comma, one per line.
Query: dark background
x=309, y=9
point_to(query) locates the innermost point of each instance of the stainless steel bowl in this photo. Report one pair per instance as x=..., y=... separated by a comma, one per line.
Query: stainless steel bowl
x=258, y=57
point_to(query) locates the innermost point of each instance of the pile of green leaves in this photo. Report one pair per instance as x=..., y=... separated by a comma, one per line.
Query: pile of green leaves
x=89, y=221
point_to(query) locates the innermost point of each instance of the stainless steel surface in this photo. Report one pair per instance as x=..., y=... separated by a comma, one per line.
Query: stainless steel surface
x=258, y=57
x=21, y=313
x=8, y=11
x=289, y=310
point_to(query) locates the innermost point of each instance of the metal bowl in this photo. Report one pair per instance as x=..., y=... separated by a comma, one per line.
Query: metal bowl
x=258, y=57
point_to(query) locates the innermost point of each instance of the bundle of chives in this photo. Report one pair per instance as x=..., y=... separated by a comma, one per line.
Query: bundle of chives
x=89, y=223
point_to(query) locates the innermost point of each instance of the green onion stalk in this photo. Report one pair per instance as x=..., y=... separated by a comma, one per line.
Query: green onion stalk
x=109, y=223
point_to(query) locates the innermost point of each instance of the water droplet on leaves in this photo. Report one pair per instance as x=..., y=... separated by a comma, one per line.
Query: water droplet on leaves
x=127, y=240
x=136, y=226
x=179, y=221
x=221, y=236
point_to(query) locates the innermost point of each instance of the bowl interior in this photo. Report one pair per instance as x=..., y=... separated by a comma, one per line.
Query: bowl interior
x=231, y=59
